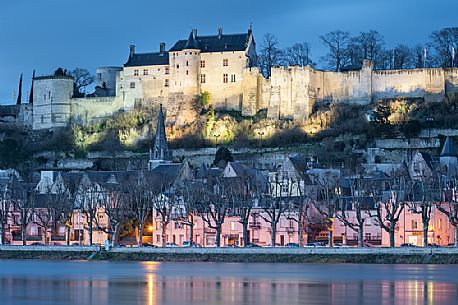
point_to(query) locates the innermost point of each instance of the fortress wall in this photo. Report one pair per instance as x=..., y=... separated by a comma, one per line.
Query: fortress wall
x=350, y=87
x=451, y=82
x=413, y=83
x=251, y=94
x=87, y=110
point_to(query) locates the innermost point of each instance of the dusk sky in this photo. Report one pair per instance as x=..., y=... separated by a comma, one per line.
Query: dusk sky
x=46, y=34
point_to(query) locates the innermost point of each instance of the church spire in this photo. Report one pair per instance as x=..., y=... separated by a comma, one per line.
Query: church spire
x=160, y=151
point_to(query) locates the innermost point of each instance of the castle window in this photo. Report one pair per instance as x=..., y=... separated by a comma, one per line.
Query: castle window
x=167, y=70
x=145, y=71
x=187, y=63
x=187, y=72
x=99, y=75
x=202, y=63
x=135, y=72
x=202, y=78
x=132, y=85
x=178, y=66
x=225, y=62
x=166, y=83
x=225, y=78
x=232, y=78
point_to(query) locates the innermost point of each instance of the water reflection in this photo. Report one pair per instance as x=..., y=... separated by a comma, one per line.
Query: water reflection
x=214, y=284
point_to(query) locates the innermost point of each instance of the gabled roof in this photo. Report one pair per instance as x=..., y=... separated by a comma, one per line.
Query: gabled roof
x=148, y=59
x=449, y=149
x=215, y=43
x=192, y=42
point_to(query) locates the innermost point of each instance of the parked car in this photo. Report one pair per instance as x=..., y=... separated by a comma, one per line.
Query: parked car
x=149, y=245
x=253, y=245
x=187, y=244
x=433, y=245
x=314, y=245
x=171, y=245
x=292, y=245
x=339, y=245
x=406, y=245
x=37, y=244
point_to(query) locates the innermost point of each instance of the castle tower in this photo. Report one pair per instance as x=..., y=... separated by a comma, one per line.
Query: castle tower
x=185, y=67
x=51, y=100
x=160, y=153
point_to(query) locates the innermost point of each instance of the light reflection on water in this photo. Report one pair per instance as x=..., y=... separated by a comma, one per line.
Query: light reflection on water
x=113, y=283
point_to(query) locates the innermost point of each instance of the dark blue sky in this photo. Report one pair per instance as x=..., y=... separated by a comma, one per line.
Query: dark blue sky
x=45, y=34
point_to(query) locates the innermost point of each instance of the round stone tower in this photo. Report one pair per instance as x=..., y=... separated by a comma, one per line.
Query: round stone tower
x=51, y=101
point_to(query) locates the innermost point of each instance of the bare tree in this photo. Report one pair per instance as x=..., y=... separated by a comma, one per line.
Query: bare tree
x=298, y=54
x=83, y=78
x=274, y=204
x=214, y=205
x=372, y=44
x=327, y=203
x=426, y=192
x=355, y=52
x=388, y=210
x=115, y=206
x=298, y=209
x=5, y=208
x=140, y=197
x=87, y=199
x=402, y=57
x=337, y=42
x=191, y=192
x=165, y=201
x=357, y=202
x=442, y=42
x=24, y=211
x=418, y=59
x=270, y=54
x=448, y=204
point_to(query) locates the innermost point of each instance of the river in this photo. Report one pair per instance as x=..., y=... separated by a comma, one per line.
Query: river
x=25, y=282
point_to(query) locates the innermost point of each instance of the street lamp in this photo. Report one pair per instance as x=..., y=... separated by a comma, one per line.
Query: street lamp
x=261, y=133
x=216, y=138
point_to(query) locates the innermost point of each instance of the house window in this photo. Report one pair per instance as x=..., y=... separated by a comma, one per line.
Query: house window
x=202, y=63
x=225, y=78
x=166, y=83
x=132, y=85
x=135, y=72
x=439, y=224
x=167, y=70
x=202, y=78
x=414, y=225
x=232, y=225
x=145, y=71
x=233, y=78
x=158, y=238
x=225, y=62
x=368, y=236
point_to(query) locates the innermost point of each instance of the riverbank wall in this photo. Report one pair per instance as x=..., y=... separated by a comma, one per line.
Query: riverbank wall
x=247, y=255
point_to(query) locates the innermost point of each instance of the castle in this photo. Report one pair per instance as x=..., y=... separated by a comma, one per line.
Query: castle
x=225, y=66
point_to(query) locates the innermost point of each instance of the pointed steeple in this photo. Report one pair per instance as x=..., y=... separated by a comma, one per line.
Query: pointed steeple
x=19, y=95
x=31, y=89
x=449, y=149
x=192, y=41
x=160, y=151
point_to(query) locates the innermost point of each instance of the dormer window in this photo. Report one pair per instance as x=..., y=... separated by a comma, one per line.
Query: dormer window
x=135, y=72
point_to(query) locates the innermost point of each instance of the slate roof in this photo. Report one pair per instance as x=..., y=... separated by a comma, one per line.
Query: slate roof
x=449, y=149
x=148, y=59
x=225, y=43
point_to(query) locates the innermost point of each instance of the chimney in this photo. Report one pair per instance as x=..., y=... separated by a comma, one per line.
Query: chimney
x=220, y=32
x=132, y=51
x=162, y=47
x=194, y=33
x=250, y=29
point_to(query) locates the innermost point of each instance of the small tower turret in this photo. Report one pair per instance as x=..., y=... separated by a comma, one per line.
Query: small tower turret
x=160, y=153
